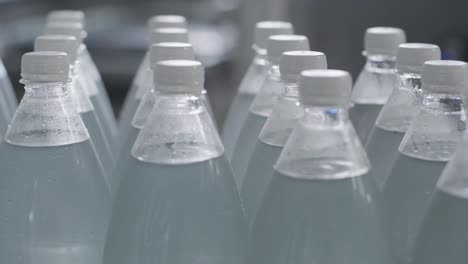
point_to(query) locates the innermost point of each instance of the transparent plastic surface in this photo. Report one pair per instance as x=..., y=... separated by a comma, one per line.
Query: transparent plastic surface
x=323, y=146
x=268, y=94
x=46, y=117
x=179, y=130
x=248, y=89
x=437, y=129
x=185, y=213
x=324, y=221
x=7, y=92
x=454, y=179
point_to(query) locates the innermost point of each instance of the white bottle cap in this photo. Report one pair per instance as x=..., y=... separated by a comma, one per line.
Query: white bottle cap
x=266, y=29
x=61, y=43
x=167, y=21
x=445, y=76
x=45, y=66
x=170, y=51
x=179, y=76
x=411, y=56
x=292, y=63
x=169, y=35
x=279, y=44
x=65, y=28
x=74, y=16
x=383, y=40
x=325, y=88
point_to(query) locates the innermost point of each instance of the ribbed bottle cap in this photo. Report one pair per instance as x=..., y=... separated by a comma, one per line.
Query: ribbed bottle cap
x=171, y=51
x=61, y=43
x=45, y=66
x=292, y=63
x=167, y=21
x=383, y=40
x=169, y=35
x=266, y=29
x=445, y=76
x=179, y=76
x=279, y=44
x=74, y=16
x=66, y=28
x=325, y=88
x=411, y=56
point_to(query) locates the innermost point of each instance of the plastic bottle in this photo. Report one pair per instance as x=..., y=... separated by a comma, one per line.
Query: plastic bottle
x=277, y=128
x=402, y=106
x=321, y=204
x=425, y=149
x=178, y=202
x=251, y=82
x=54, y=200
x=158, y=52
x=8, y=100
x=264, y=101
x=443, y=236
x=376, y=81
x=141, y=75
x=83, y=104
x=84, y=66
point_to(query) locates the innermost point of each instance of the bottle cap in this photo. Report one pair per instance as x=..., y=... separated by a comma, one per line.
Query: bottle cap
x=73, y=16
x=61, y=43
x=383, y=40
x=179, y=76
x=169, y=35
x=171, y=51
x=266, y=29
x=45, y=66
x=167, y=21
x=66, y=28
x=279, y=44
x=445, y=76
x=411, y=56
x=325, y=88
x=292, y=63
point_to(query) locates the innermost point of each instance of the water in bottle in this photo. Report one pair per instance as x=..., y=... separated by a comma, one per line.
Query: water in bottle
x=252, y=81
x=264, y=101
x=425, y=149
x=158, y=52
x=377, y=79
x=83, y=104
x=443, y=236
x=8, y=99
x=277, y=128
x=143, y=72
x=99, y=98
x=177, y=202
x=402, y=106
x=54, y=200
x=321, y=205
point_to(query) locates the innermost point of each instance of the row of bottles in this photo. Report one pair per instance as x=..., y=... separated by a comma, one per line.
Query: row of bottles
x=313, y=172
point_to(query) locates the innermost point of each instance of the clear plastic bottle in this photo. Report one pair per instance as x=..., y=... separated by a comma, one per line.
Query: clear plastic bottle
x=252, y=81
x=84, y=66
x=443, y=235
x=54, y=200
x=264, y=101
x=141, y=75
x=277, y=128
x=376, y=81
x=83, y=104
x=321, y=204
x=158, y=52
x=178, y=202
x=402, y=106
x=428, y=144
x=8, y=100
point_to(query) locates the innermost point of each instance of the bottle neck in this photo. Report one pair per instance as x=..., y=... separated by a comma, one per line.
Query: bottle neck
x=269, y=92
x=437, y=129
x=179, y=130
x=46, y=117
x=323, y=146
x=380, y=64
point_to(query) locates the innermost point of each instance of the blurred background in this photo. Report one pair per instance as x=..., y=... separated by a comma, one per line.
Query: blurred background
x=221, y=32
